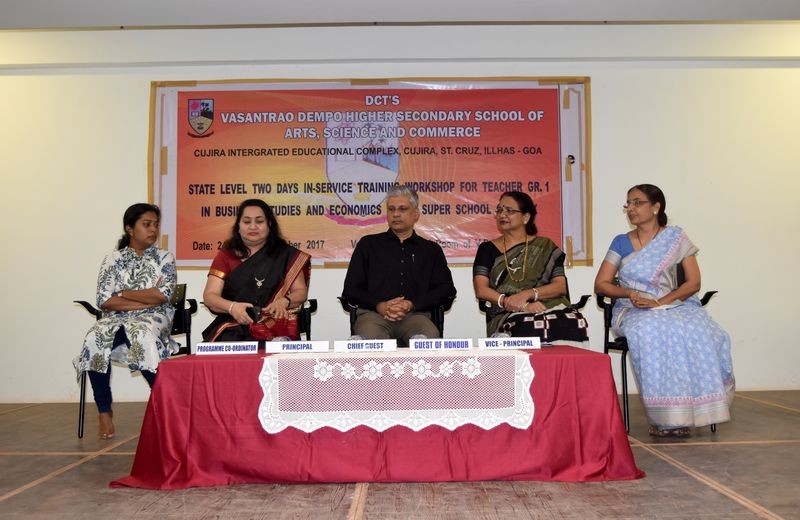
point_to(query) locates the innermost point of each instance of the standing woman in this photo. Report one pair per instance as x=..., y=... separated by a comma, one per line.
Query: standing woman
x=134, y=288
x=681, y=357
x=255, y=269
x=522, y=276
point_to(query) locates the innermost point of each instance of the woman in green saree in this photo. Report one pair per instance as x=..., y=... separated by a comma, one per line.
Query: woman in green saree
x=521, y=275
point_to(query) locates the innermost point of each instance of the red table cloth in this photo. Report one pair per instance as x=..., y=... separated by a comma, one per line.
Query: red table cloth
x=201, y=428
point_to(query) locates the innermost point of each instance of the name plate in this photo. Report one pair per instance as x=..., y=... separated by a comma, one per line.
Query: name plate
x=441, y=344
x=509, y=343
x=231, y=347
x=287, y=347
x=365, y=345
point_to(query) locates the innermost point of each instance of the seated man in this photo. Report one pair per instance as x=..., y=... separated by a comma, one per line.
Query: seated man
x=396, y=276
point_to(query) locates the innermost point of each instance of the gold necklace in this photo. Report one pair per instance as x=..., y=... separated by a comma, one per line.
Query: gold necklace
x=524, y=260
x=640, y=238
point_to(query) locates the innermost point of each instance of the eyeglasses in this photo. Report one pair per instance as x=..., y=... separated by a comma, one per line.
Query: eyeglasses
x=635, y=203
x=499, y=210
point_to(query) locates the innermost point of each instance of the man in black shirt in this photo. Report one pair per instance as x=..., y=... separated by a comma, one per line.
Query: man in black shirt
x=396, y=277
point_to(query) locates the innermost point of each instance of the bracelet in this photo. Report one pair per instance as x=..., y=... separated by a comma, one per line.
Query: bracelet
x=500, y=300
x=230, y=307
x=288, y=300
x=535, y=294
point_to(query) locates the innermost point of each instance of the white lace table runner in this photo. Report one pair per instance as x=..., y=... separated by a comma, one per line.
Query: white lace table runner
x=385, y=389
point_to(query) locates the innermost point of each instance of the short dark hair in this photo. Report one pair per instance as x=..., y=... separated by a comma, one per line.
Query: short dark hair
x=274, y=237
x=526, y=205
x=131, y=217
x=654, y=195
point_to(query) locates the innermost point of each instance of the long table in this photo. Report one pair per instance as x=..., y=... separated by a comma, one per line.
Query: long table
x=202, y=428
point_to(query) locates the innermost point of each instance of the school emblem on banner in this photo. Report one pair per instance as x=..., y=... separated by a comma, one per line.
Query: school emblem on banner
x=201, y=116
x=373, y=159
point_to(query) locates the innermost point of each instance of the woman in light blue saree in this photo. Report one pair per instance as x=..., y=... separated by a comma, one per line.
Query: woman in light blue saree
x=680, y=355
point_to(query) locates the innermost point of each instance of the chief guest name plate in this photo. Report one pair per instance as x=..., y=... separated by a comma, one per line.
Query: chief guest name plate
x=231, y=347
x=288, y=347
x=509, y=343
x=441, y=344
x=365, y=345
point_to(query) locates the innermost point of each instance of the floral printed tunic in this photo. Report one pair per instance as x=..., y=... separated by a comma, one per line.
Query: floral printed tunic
x=141, y=338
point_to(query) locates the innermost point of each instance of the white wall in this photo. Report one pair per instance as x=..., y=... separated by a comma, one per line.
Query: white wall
x=709, y=113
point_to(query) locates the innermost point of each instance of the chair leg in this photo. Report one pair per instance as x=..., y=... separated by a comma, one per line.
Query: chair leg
x=626, y=414
x=188, y=333
x=82, y=405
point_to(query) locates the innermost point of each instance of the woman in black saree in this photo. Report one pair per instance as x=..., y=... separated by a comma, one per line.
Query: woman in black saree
x=255, y=276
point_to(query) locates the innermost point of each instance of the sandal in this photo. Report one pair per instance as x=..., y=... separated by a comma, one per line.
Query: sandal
x=655, y=431
x=680, y=433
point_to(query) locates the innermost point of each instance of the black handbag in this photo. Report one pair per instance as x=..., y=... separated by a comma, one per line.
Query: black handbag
x=565, y=325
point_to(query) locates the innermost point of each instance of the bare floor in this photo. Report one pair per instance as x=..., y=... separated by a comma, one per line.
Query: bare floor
x=749, y=468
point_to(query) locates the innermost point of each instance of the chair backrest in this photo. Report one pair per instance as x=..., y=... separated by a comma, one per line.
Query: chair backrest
x=437, y=314
x=304, y=318
x=182, y=321
x=178, y=300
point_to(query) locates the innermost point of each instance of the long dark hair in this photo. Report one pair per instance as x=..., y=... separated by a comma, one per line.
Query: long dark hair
x=274, y=237
x=654, y=195
x=526, y=205
x=131, y=217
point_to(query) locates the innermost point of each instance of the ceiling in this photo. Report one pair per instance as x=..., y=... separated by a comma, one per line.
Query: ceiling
x=91, y=14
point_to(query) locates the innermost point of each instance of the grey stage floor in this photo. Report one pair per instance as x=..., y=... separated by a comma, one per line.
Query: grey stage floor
x=750, y=468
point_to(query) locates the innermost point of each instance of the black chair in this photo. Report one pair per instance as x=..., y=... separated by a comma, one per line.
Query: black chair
x=304, y=318
x=181, y=324
x=437, y=313
x=620, y=344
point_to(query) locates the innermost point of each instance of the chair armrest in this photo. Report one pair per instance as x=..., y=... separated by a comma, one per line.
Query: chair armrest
x=346, y=305
x=310, y=305
x=582, y=302
x=603, y=301
x=706, y=297
x=97, y=313
x=447, y=304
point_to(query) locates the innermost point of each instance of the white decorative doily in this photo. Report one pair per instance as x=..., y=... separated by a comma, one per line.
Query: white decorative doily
x=406, y=388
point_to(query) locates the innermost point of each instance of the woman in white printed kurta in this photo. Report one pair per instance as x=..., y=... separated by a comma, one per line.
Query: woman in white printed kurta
x=134, y=288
